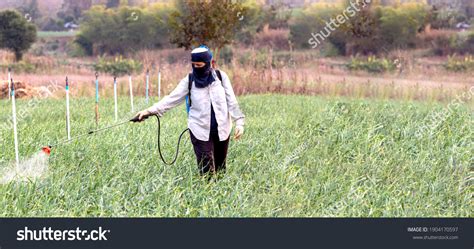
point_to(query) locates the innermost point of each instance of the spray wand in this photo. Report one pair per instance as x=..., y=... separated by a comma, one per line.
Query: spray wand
x=47, y=149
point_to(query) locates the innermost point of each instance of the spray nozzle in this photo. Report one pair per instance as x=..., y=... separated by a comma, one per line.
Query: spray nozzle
x=47, y=150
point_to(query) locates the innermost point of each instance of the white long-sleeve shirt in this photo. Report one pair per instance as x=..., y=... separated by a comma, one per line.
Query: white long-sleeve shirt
x=222, y=97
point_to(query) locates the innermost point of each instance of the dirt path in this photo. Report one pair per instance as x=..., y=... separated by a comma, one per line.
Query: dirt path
x=424, y=83
x=83, y=84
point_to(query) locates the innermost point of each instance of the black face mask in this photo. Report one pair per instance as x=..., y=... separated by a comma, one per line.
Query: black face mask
x=201, y=71
x=202, y=75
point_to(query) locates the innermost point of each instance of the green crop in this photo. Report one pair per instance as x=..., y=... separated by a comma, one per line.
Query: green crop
x=300, y=156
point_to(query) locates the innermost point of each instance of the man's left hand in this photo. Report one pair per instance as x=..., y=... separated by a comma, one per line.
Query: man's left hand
x=239, y=131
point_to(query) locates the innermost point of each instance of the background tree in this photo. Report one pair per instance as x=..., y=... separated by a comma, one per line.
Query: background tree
x=375, y=29
x=278, y=16
x=118, y=67
x=72, y=10
x=16, y=33
x=31, y=9
x=124, y=29
x=251, y=23
x=313, y=19
x=211, y=22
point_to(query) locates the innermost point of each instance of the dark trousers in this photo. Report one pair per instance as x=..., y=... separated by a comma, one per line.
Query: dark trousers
x=211, y=155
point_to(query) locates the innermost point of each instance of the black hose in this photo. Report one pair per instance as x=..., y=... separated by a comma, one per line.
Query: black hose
x=159, y=144
x=122, y=123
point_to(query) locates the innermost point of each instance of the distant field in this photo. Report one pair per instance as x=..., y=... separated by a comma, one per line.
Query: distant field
x=300, y=156
x=54, y=34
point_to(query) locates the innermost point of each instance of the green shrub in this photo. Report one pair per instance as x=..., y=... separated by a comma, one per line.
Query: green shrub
x=372, y=30
x=445, y=18
x=226, y=54
x=313, y=20
x=467, y=44
x=118, y=67
x=51, y=24
x=257, y=16
x=277, y=15
x=75, y=49
x=20, y=67
x=281, y=59
x=265, y=58
x=362, y=32
x=329, y=50
x=399, y=26
x=372, y=65
x=252, y=22
x=384, y=28
x=458, y=43
x=460, y=65
x=127, y=29
x=256, y=59
x=276, y=39
x=300, y=28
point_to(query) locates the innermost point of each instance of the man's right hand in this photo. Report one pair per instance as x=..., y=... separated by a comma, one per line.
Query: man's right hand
x=141, y=116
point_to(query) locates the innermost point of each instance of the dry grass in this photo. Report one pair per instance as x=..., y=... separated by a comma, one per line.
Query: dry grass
x=419, y=79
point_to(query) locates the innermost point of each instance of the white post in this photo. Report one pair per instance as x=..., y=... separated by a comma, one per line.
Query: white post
x=147, y=85
x=131, y=91
x=115, y=98
x=96, y=99
x=15, y=131
x=68, y=117
x=9, y=84
x=159, y=84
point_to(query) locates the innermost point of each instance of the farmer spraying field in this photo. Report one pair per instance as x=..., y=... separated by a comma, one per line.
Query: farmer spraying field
x=211, y=105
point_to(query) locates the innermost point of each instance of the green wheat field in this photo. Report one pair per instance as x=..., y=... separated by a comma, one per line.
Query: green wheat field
x=300, y=156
